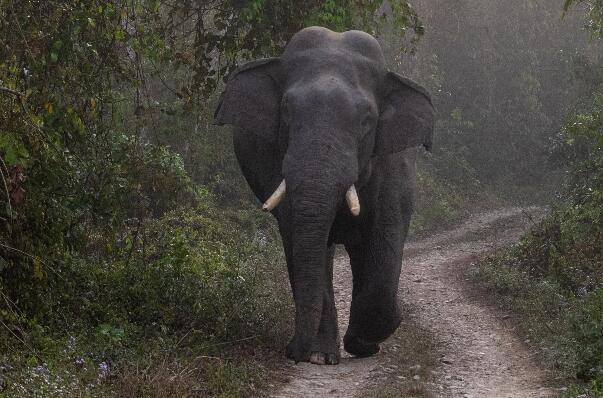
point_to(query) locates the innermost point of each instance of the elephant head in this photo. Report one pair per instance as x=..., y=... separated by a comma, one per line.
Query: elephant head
x=313, y=121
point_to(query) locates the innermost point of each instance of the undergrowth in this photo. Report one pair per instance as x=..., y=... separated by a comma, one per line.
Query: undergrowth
x=181, y=305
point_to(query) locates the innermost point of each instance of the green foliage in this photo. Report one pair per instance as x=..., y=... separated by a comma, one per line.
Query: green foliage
x=587, y=327
x=438, y=204
x=193, y=279
x=370, y=16
x=566, y=324
x=210, y=39
x=580, y=147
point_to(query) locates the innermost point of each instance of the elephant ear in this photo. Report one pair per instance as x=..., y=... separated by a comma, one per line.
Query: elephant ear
x=251, y=99
x=407, y=116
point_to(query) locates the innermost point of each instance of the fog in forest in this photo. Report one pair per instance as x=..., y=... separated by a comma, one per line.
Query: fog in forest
x=504, y=76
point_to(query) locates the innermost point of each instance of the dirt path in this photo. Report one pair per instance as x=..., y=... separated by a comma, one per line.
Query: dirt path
x=479, y=353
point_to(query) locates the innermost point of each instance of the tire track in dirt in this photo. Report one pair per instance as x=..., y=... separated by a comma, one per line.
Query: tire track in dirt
x=481, y=355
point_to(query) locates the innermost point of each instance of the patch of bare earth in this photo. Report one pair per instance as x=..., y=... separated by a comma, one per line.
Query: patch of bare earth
x=452, y=344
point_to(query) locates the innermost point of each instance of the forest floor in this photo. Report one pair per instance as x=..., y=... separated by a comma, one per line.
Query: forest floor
x=453, y=343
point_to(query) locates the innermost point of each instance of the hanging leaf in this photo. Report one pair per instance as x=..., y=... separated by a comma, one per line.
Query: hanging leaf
x=38, y=273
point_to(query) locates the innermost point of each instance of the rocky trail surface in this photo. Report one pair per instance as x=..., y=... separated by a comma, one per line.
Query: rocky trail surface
x=477, y=351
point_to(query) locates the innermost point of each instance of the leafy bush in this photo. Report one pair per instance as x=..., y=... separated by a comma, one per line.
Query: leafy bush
x=437, y=204
x=180, y=285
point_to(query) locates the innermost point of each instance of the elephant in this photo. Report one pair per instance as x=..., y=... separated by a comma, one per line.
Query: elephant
x=327, y=139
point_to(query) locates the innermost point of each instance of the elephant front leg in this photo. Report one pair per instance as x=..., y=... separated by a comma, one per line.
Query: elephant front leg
x=325, y=344
x=325, y=349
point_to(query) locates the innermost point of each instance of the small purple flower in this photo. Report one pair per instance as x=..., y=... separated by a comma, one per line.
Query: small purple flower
x=103, y=370
x=80, y=362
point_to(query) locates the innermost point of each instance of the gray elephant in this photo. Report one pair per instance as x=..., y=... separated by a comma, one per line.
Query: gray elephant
x=325, y=137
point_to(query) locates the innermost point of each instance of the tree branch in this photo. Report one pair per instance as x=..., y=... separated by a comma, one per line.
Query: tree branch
x=11, y=91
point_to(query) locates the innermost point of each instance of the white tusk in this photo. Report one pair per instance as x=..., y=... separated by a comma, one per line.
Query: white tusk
x=352, y=198
x=275, y=198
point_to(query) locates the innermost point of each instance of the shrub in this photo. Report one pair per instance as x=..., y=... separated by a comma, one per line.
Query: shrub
x=192, y=282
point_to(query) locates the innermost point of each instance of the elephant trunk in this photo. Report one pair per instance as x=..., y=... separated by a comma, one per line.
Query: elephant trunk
x=314, y=208
x=317, y=176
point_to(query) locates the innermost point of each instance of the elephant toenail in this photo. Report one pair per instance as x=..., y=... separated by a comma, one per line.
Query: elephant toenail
x=332, y=359
x=317, y=358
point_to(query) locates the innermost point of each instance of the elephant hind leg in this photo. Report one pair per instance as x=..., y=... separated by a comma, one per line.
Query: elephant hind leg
x=358, y=348
x=374, y=312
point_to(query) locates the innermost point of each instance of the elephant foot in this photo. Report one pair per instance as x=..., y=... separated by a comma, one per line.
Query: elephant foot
x=314, y=357
x=359, y=349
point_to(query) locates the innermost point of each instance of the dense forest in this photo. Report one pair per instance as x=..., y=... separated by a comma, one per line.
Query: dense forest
x=134, y=261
